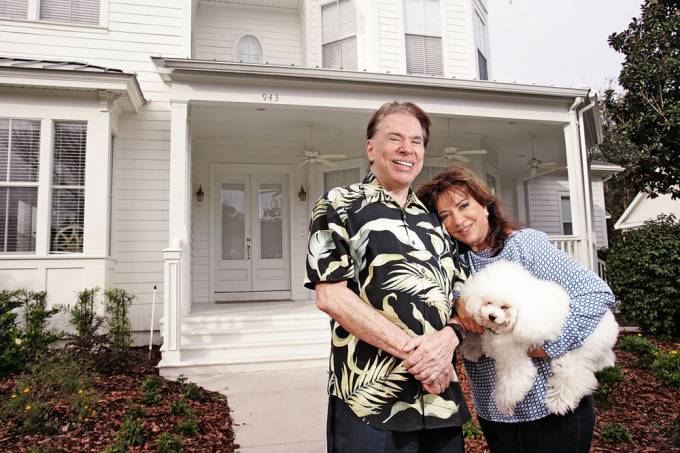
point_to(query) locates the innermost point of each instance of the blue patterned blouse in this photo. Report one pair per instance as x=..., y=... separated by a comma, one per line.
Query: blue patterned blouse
x=590, y=297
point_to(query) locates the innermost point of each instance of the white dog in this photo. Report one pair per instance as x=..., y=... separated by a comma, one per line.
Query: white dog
x=520, y=312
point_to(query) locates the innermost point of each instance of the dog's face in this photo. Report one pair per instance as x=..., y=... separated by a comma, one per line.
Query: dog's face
x=496, y=314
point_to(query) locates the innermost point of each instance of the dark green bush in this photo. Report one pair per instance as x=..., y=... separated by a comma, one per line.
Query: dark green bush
x=187, y=426
x=614, y=433
x=645, y=351
x=643, y=270
x=179, y=407
x=12, y=358
x=117, y=306
x=607, y=379
x=151, y=389
x=84, y=319
x=168, y=443
x=130, y=433
x=36, y=331
x=667, y=368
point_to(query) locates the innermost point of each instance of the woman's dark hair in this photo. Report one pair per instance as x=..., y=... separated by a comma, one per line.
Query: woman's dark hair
x=399, y=107
x=459, y=178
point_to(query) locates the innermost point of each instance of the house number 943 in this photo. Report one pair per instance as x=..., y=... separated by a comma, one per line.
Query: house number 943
x=270, y=97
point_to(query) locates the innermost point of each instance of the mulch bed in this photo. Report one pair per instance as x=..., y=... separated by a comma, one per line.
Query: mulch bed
x=120, y=391
x=648, y=408
x=641, y=403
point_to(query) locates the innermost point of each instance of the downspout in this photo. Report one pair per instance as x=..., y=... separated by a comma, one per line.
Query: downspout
x=576, y=140
x=587, y=184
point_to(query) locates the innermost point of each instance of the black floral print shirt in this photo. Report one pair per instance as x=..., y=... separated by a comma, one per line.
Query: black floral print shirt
x=400, y=261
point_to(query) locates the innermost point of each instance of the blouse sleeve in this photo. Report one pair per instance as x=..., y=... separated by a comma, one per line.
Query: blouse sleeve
x=590, y=296
x=328, y=252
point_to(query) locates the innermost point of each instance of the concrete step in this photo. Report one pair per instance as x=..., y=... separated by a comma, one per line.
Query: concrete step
x=196, y=335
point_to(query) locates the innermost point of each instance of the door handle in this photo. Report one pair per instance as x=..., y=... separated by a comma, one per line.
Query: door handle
x=248, y=247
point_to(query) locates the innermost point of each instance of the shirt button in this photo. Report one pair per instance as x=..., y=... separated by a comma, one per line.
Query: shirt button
x=413, y=242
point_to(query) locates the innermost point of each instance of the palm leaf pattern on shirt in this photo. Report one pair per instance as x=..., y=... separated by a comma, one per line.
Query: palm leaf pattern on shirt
x=367, y=393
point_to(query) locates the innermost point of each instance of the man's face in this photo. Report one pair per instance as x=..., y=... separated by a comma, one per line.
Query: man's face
x=397, y=150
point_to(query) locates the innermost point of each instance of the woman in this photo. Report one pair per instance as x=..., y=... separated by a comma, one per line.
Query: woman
x=474, y=217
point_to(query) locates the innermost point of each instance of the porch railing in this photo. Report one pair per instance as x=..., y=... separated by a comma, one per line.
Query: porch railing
x=569, y=244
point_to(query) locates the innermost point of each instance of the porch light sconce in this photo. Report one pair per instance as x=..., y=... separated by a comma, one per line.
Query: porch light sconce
x=302, y=195
x=200, y=195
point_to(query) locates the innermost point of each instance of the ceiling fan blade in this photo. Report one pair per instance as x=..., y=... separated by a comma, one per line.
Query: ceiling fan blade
x=325, y=162
x=450, y=150
x=460, y=158
x=472, y=151
x=332, y=156
x=302, y=164
x=547, y=164
x=533, y=172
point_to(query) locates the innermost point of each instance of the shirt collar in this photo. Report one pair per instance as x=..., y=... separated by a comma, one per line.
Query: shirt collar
x=376, y=192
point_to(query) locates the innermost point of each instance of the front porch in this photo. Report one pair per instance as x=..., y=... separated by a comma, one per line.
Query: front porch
x=240, y=134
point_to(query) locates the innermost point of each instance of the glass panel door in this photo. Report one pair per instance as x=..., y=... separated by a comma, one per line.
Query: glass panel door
x=270, y=200
x=233, y=207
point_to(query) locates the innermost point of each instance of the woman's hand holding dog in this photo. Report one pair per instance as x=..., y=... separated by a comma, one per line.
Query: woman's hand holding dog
x=465, y=319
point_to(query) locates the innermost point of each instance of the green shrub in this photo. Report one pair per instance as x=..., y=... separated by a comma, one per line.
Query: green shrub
x=179, y=407
x=151, y=388
x=187, y=426
x=643, y=349
x=84, y=319
x=115, y=448
x=117, y=305
x=614, y=433
x=47, y=449
x=168, y=443
x=607, y=379
x=131, y=433
x=37, y=334
x=134, y=413
x=37, y=401
x=643, y=270
x=667, y=368
x=191, y=391
x=12, y=359
x=471, y=430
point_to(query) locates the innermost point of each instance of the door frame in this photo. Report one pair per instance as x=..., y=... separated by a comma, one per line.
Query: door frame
x=217, y=168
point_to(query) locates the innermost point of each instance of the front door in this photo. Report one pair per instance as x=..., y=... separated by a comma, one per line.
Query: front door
x=251, y=226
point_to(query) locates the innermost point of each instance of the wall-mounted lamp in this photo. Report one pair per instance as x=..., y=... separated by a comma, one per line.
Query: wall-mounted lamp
x=200, y=195
x=302, y=195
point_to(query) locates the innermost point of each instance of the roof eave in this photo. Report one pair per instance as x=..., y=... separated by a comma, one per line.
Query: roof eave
x=174, y=69
x=115, y=82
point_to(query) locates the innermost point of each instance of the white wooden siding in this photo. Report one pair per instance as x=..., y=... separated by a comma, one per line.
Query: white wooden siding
x=459, y=37
x=135, y=31
x=391, y=40
x=600, y=220
x=219, y=27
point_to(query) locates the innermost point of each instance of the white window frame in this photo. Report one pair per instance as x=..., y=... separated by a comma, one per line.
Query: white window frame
x=560, y=196
x=344, y=35
x=33, y=15
x=483, y=47
x=424, y=35
x=28, y=184
x=236, y=54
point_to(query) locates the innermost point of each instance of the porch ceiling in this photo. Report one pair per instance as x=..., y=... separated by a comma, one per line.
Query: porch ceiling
x=281, y=134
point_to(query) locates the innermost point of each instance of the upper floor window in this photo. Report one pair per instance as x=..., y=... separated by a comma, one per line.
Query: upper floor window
x=565, y=215
x=424, y=53
x=480, y=43
x=15, y=9
x=339, y=35
x=70, y=11
x=19, y=157
x=249, y=50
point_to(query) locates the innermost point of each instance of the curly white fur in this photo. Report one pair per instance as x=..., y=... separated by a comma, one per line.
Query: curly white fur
x=520, y=312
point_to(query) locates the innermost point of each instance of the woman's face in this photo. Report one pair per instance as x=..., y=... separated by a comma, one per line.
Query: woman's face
x=464, y=218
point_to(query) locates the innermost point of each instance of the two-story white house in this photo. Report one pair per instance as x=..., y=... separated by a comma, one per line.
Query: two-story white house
x=182, y=144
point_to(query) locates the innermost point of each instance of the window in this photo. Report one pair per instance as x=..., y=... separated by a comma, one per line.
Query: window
x=339, y=178
x=425, y=175
x=565, y=215
x=423, y=37
x=491, y=182
x=15, y=9
x=68, y=187
x=338, y=35
x=19, y=156
x=480, y=42
x=249, y=50
x=74, y=11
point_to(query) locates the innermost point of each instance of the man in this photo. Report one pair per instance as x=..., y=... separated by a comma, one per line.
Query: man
x=383, y=269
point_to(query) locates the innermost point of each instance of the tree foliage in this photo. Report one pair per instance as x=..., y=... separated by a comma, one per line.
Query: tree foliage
x=646, y=117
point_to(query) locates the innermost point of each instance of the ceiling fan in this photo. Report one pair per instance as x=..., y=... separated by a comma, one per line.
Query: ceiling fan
x=314, y=156
x=452, y=152
x=536, y=164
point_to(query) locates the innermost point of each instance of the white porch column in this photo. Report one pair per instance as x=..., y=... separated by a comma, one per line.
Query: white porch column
x=177, y=282
x=576, y=187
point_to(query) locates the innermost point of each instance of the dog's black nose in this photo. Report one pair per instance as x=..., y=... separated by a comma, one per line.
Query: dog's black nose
x=492, y=317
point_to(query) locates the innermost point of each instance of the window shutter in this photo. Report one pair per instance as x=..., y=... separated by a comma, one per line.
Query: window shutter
x=347, y=20
x=422, y=17
x=431, y=18
x=16, y=9
x=415, y=54
x=330, y=22
x=75, y=11
x=434, y=58
x=68, y=192
x=338, y=35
